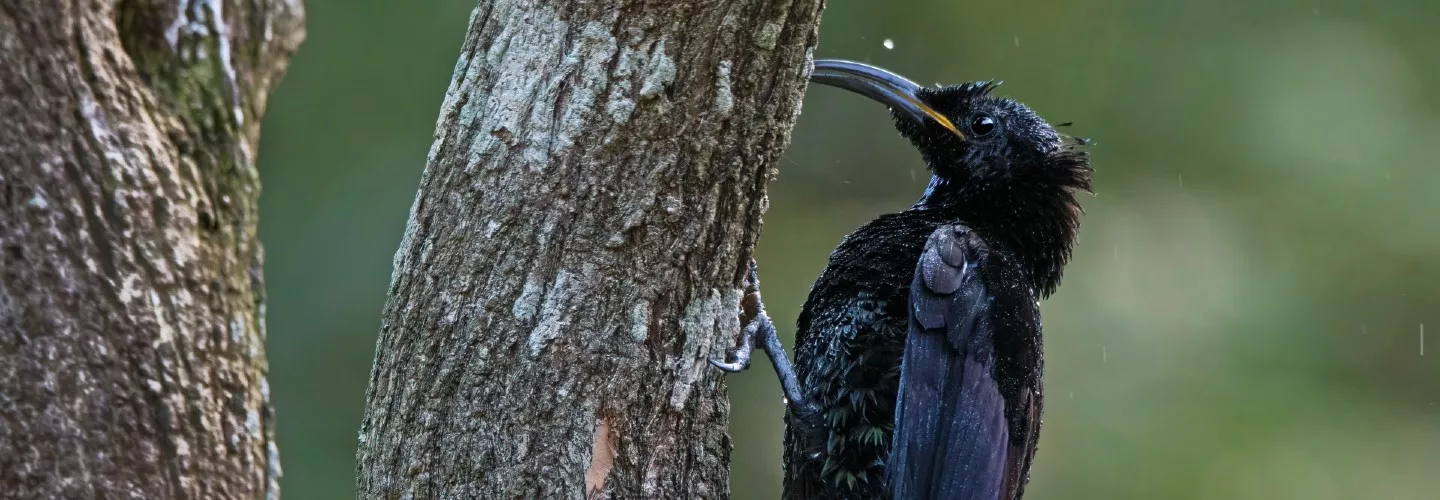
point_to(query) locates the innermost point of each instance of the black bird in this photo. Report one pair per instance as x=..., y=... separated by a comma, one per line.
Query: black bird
x=919, y=359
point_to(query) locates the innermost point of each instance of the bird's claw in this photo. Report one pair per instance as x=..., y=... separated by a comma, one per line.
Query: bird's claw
x=760, y=330
x=739, y=358
x=732, y=367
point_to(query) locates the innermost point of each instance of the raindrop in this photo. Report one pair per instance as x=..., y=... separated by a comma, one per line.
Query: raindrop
x=888, y=43
x=1105, y=354
x=1017, y=41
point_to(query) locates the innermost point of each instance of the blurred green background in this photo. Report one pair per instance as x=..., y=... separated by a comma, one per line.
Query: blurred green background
x=1243, y=318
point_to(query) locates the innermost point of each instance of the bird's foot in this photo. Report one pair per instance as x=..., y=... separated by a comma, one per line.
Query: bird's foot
x=760, y=330
x=740, y=356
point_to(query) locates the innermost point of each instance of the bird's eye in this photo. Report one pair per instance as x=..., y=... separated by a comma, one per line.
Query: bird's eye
x=982, y=125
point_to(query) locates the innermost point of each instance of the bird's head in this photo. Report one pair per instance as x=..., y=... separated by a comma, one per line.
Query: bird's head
x=997, y=165
x=972, y=141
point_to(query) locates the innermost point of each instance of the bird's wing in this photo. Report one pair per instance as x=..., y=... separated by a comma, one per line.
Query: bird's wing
x=952, y=438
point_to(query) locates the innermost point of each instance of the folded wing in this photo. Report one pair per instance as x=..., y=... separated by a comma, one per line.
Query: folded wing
x=951, y=436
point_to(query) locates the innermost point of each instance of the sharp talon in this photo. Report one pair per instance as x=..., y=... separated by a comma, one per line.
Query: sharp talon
x=739, y=364
x=728, y=367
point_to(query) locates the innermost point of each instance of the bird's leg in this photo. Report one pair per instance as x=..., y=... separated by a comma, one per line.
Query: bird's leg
x=759, y=329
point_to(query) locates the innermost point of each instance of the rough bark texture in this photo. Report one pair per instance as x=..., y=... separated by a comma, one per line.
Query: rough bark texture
x=131, y=307
x=576, y=251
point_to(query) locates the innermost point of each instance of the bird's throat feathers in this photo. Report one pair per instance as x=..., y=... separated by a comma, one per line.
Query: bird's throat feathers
x=1035, y=215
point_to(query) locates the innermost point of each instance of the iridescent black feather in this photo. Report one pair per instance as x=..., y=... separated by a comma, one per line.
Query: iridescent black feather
x=1013, y=193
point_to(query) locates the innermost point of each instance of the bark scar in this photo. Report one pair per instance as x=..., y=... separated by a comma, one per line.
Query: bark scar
x=602, y=459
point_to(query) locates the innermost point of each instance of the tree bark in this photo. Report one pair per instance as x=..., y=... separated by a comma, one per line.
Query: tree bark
x=576, y=251
x=131, y=303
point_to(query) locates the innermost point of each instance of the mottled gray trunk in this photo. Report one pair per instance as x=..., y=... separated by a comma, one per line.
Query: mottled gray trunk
x=576, y=250
x=131, y=305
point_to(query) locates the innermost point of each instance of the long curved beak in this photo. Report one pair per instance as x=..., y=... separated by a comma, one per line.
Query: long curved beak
x=887, y=88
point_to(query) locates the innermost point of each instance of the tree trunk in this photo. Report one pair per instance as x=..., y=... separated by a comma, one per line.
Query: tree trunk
x=131, y=306
x=576, y=250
